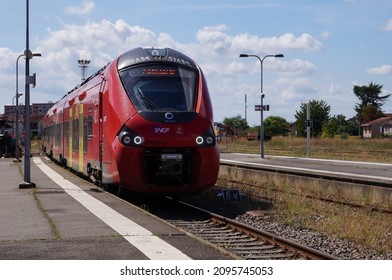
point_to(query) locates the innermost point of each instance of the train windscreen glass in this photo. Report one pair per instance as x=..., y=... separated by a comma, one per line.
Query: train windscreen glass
x=160, y=87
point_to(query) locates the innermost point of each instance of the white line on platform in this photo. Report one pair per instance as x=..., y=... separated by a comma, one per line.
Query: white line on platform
x=150, y=245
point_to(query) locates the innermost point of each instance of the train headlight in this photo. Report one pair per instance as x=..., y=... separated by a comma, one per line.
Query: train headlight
x=206, y=140
x=199, y=140
x=138, y=140
x=128, y=137
x=209, y=140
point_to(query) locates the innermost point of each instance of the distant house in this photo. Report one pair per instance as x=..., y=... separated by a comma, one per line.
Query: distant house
x=378, y=127
x=37, y=112
x=293, y=128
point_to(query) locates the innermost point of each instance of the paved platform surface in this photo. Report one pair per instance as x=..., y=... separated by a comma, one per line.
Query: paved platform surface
x=65, y=217
x=378, y=173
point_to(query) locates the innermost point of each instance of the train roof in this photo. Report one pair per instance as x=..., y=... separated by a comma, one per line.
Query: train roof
x=143, y=55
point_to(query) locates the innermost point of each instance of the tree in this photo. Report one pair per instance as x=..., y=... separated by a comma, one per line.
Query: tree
x=319, y=114
x=235, y=123
x=369, y=113
x=274, y=126
x=334, y=126
x=369, y=107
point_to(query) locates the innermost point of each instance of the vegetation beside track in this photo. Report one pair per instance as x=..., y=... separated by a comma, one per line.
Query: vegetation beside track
x=291, y=206
x=362, y=226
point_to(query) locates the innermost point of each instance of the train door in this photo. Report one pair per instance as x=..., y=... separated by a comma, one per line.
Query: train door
x=105, y=142
x=92, y=133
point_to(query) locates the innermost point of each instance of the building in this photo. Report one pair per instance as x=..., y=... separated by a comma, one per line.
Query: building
x=377, y=128
x=37, y=112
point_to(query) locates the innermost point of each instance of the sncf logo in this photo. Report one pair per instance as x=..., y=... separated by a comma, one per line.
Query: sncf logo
x=161, y=130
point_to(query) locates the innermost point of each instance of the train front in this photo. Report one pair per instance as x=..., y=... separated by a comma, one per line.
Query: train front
x=168, y=146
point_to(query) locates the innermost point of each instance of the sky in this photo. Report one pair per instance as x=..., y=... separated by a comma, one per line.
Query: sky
x=328, y=47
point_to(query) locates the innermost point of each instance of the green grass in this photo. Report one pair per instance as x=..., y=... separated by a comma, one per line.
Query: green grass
x=371, y=229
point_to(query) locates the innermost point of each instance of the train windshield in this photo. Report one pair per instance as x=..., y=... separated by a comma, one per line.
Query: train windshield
x=160, y=87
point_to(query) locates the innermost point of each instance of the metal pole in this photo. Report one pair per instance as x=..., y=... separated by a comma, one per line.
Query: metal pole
x=246, y=108
x=27, y=182
x=261, y=97
x=17, y=112
x=308, y=130
x=262, y=109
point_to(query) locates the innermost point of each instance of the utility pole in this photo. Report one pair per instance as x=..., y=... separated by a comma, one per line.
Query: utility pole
x=308, y=126
x=246, y=109
x=28, y=80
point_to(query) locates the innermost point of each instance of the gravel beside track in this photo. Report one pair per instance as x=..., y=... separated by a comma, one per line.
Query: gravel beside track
x=265, y=220
x=342, y=249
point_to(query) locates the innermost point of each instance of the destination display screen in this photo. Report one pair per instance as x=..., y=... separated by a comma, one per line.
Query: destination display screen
x=159, y=71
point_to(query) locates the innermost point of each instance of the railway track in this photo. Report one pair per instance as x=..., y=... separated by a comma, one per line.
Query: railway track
x=237, y=239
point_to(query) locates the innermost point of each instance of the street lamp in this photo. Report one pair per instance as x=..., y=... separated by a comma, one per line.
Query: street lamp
x=28, y=80
x=261, y=97
x=15, y=127
x=17, y=95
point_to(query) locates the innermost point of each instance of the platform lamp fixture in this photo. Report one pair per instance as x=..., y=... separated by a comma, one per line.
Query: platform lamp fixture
x=261, y=97
x=83, y=64
x=17, y=95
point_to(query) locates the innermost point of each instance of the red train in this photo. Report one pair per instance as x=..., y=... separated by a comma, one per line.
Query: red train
x=143, y=122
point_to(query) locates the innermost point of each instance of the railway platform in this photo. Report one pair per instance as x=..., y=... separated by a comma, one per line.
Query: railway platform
x=369, y=180
x=65, y=217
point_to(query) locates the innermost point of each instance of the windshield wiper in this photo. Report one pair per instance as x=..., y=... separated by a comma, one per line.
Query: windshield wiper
x=147, y=102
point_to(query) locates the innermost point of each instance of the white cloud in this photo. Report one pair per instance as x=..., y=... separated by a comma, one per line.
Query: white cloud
x=381, y=70
x=298, y=67
x=86, y=8
x=214, y=49
x=6, y=63
x=335, y=89
x=388, y=25
x=286, y=42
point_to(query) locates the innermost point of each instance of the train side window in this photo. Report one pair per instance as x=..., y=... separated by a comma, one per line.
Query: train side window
x=66, y=133
x=58, y=134
x=90, y=128
x=85, y=134
x=75, y=135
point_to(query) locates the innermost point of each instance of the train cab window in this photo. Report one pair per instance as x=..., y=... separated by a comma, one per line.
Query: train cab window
x=160, y=87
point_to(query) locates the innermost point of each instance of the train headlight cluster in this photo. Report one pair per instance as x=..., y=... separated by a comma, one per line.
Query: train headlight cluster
x=206, y=140
x=128, y=137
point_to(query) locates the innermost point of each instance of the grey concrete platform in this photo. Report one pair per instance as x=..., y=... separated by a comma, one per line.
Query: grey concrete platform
x=47, y=223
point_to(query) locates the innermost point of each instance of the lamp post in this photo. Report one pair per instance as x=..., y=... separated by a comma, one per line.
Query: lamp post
x=28, y=80
x=17, y=95
x=16, y=127
x=262, y=96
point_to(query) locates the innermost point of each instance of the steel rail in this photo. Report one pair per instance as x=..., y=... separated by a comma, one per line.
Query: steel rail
x=304, y=251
